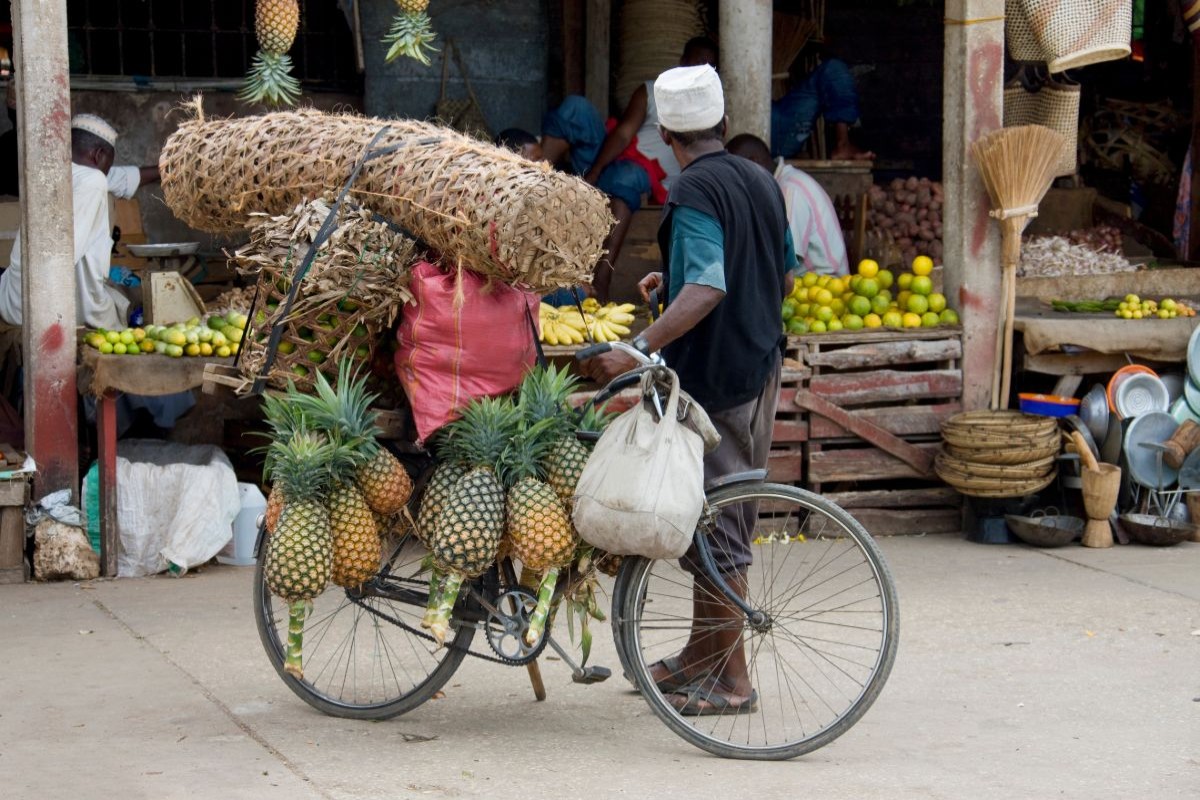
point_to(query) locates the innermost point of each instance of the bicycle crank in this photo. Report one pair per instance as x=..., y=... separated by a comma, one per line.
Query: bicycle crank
x=506, y=624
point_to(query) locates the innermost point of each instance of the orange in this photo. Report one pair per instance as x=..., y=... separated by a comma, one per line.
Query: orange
x=922, y=265
x=911, y=320
x=868, y=268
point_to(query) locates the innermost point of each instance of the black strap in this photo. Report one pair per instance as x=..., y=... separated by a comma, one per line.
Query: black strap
x=537, y=340
x=579, y=304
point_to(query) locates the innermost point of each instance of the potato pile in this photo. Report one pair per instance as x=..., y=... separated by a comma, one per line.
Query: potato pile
x=908, y=213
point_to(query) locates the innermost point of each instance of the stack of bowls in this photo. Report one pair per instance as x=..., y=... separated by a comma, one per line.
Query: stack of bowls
x=998, y=453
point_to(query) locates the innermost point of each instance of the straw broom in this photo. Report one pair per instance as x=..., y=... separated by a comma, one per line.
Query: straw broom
x=1017, y=166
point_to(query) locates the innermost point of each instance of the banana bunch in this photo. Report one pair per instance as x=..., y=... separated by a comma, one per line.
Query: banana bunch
x=567, y=326
x=611, y=322
x=561, y=325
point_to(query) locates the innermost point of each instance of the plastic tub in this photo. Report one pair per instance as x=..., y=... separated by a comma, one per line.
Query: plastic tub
x=240, y=550
x=1048, y=405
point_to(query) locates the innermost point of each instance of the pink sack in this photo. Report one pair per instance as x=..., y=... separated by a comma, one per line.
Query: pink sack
x=449, y=356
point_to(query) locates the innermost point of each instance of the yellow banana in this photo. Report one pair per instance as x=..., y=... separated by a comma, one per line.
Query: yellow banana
x=624, y=308
x=590, y=304
x=616, y=328
x=549, y=332
x=620, y=318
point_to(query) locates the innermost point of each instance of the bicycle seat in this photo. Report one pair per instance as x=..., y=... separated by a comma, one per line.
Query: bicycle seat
x=749, y=476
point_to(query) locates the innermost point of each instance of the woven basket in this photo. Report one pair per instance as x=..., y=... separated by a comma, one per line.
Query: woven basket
x=1067, y=34
x=1053, y=105
x=977, y=485
x=980, y=441
x=348, y=298
x=480, y=206
x=652, y=36
x=1004, y=456
x=1015, y=421
x=1023, y=470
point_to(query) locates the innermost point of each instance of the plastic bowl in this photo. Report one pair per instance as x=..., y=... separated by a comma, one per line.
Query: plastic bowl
x=1048, y=405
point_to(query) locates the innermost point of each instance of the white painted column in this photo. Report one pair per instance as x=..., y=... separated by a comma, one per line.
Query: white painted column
x=47, y=241
x=746, y=66
x=973, y=105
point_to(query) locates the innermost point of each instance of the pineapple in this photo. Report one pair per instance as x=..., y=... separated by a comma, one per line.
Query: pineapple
x=382, y=479
x=411, y=34
x=275, y=504
x=345, y=417
x=270, y=79
x=468, y=531
x=568, y=456
x=539, y=530
x=283, y=418
x=301, y=549
x=440, y=485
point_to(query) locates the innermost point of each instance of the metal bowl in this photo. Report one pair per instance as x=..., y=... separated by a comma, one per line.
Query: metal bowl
x=1049, y=531
x=1093, y=410
x=1140, y=394
x=1156, y=531
x=165, y=250
x=1146, y=466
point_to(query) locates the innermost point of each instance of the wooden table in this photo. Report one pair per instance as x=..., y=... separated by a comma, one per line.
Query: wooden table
x=104, y=377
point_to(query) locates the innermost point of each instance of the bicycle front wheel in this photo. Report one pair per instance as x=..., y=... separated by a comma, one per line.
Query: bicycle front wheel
x=359, y=663
x=815, y=667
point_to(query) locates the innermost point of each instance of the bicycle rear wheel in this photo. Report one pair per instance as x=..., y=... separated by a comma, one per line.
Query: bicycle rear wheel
x=358, y=663
x=820, y=662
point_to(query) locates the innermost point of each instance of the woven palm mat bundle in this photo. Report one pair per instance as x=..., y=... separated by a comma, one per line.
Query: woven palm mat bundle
x=350, y=295
x=482, y=207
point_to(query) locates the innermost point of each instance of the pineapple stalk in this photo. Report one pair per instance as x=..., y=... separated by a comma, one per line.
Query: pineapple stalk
x=439, y=625
x=541, y=612
x=437, y=580
x=297, y=613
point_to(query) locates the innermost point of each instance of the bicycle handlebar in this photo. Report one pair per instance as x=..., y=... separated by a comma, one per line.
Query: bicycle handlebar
x=599, y=349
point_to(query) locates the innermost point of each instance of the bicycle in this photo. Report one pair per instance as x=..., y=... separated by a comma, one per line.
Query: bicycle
x=818, y=650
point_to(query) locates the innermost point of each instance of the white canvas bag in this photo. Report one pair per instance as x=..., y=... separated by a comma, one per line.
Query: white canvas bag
x=642, y=491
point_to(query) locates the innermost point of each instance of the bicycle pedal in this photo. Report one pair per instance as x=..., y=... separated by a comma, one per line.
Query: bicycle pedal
x=592, y=675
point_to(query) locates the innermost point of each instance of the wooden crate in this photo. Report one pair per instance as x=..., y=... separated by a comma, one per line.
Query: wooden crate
x=896, y=388
x=12, y=530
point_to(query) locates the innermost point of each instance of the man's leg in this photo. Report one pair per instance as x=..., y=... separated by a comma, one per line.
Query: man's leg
x=624, y=182
x=602, y=280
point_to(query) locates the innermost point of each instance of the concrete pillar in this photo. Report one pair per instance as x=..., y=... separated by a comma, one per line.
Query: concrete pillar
x=598, y=33
x=973, y=106
x=746, y=66
x=47, y=241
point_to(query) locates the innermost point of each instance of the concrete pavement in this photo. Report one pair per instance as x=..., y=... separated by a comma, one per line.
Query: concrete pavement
x=1021, y=673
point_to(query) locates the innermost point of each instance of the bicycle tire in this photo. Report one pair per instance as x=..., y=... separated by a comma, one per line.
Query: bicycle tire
x=334, y=608
x=830, y=535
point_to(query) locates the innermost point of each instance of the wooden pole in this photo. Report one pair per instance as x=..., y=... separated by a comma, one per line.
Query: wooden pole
x=598, y=35
x=746, y=29
x=47, y=241
x=973, y=105
x=1194, y=228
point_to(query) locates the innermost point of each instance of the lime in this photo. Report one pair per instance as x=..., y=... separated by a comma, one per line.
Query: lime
x=922, y=285
x=789, y=310
x=119, y=349
x=905, y=280
x=885, y=278
x=917, y=304
x=854, y=281
x=937, y=302
x=817, y=327
x=912, y=320
x=824, y=297
x=106, y=347
x=880, y=303
x=824, y=313
x=852, y=322
x=795, y=326
x=948, y=317
x=872, y=320
x=809, y=279
x=860, y=305
x=835, y=286
x=893, y=319
x=929, y=320
x=834, y=324
x=868, y=287
x=838, y=306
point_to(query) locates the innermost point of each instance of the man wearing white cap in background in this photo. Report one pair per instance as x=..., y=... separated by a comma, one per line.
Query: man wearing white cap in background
x=93, y=147
x=727, y=257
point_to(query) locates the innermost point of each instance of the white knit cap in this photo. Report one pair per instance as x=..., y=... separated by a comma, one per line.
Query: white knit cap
x=96, y=126
x=689, y=99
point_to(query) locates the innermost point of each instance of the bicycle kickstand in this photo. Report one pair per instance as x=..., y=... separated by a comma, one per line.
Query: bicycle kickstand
x=580, y=674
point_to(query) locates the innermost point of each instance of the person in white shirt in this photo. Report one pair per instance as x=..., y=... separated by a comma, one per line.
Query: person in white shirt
x=99, y=305
x=816, y=231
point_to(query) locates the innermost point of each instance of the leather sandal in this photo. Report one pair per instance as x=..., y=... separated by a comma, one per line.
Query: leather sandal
x=708, y=699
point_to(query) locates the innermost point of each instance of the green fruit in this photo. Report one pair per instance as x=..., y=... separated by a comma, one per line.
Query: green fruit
x=929, y=320
x=106, y=347
x=881, y=302
x=860, y=306
x=299, y=371
x=852, y=322
x=789, y=310
x=316, y=356
x=797, y=326
x=834, y=325
x=918, y=304
x=885, y=278
x=868, y=287
x=216, y=323
x=362, y=351
x=817, y=327
x=174, y=351
x=360, y=330
x=348, y=306
x=922, y=285
x=825, y=314
x=119, y=348
x=286, y=348
x=948, y=317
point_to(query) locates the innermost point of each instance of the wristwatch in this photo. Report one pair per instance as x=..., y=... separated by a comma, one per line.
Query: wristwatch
x=640, y=344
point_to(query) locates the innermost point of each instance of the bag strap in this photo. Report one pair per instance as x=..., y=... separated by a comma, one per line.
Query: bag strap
x=462, y=70
x=537, y=340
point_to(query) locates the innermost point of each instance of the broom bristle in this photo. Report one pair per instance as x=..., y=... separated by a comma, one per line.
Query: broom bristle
x=1017, y=166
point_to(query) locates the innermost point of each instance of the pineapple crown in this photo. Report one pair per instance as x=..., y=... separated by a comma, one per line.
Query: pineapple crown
x=543, y=395
x=345, y=413
x=525, y=452
x=301, y=465
x=595, y=420
x=479, y=437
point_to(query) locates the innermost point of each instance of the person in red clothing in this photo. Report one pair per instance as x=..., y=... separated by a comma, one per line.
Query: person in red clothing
x=625, y=158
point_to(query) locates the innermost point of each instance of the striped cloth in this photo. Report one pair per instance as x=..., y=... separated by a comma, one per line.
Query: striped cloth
x=1191, y=17
x=816, y=231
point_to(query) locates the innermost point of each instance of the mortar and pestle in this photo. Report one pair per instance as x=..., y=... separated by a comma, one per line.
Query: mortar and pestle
x=1101, y=484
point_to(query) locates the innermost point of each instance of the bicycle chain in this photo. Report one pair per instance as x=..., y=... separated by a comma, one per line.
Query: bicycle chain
x=358, y=601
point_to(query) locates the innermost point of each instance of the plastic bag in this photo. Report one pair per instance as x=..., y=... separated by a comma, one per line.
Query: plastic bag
x=458, y=343
x=175, y=505
x=642, y=490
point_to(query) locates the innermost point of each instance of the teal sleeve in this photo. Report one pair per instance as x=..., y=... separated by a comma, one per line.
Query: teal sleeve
x=697, y=250
x=790, y=262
